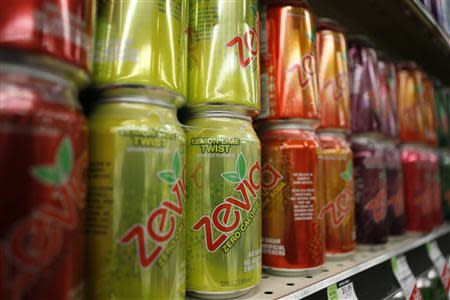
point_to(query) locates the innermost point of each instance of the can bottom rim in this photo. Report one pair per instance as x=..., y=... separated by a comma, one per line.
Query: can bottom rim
x=339, y=256
x=293, y=272
x=219, y=295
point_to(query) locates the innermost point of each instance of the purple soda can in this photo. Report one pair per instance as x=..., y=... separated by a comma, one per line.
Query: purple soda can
x=370, y=191
x=388, y=98
x=365, y=97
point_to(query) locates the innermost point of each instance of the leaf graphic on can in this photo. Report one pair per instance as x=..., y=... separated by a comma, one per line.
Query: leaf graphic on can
x=171, y=176
x=231, y=177
x=241, y=166
x=176, y=164
x=60, y=170
x=348, y=173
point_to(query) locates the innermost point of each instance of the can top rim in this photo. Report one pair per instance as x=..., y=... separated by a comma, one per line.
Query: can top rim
x=47, y=67
x=135, y=99
x=299, y=3
x=329, y=24
x=217, y=111
x=306, y=125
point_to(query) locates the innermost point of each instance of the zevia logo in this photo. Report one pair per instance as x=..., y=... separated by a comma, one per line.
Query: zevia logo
x=247, y=44
x=272, y=183
x=305, y=70
x=161, y=224
x=36, y=241
x=341, y=206
x=227, y=217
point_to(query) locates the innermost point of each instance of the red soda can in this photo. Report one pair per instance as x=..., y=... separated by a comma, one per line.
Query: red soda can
x=394, y=176
x=288, y=75
x=336, y=169
x=62, y=29
x=408, y=107
x=334, y=90
x=417, y=194
x=293, y=233
x=435, y=182
x=43, y=163
x=372, y=227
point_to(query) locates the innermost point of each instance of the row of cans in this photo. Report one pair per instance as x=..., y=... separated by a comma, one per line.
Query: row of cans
x=440, y=10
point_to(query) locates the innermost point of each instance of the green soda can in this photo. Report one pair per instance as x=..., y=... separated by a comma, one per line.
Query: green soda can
x=142, y=43
x=224, y=53
x=223, y=210
x=135, y=221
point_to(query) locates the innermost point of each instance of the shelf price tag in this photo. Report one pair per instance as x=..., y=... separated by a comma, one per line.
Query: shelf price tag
x=441, y=264
x=405, y=278
x=342, y=291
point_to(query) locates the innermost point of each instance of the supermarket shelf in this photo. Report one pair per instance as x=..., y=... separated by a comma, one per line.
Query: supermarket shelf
x=401, y=28
x=369, y=270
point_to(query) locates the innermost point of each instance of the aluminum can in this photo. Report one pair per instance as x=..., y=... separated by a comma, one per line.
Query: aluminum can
x=43, y=163
x=288, y=62
x=442, y=117
x=372, y=226
x=136, y=208
x=293, y=232
x=444, y=172
x=61, y=29
x=429, y=110
x=364, y=87
x=408, y=98
x=418, y=204
x=337, y=187
x=388, y=99
x=223, y=203
x=434, y=182
x=334, y=89
x=394, y=180
x=143, y=43
x=224, y=53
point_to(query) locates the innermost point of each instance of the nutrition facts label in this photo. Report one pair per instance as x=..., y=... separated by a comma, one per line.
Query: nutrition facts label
x=303, y=196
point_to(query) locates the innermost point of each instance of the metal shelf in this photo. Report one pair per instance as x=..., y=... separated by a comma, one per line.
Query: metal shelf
x=402, y=28
x=369, y=270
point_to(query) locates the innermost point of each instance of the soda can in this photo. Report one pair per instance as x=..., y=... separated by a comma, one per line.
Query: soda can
x=434, y=182
x=288, y=62
x=143, y=43
x=417, y=194
x=372, y=226
x=224, y=53
x=388, y=98
x=364, y=87
x=394, y=177
x=407, y=98
x=293, y=232
x=223, y=203
x=444, y=172
x=442, y=117
x=337, y=187
x=43, y=163
x=136, y=208
x=334, y=89
x=60, y=29
x=429, y=110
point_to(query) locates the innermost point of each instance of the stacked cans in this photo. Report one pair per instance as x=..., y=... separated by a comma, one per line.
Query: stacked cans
x=45, y=50
x=367, y=145
x=136, y=206
x=293, y=232
x=416, y=99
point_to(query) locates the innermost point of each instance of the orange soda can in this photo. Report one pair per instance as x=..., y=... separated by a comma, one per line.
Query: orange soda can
x=336, y=169
x=288, y=66
x=332, y=75
x=429, y=111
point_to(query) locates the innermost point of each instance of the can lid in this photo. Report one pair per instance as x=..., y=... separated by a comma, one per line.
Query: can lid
x=299, y=124
x=360, y=40
x=135, y=94
x=300, y=3
x=329, y=24
x=45, y=65
x=366, y=138
x=216, y=111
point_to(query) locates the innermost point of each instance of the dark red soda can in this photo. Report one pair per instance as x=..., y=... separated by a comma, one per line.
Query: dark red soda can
x=43, y=162
x=435, y=182
x=418, y=203
x=394, y=176
x=288, y=62
x=365, y=97
x=372, y=226
x=293, y=233
x=62, y=29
